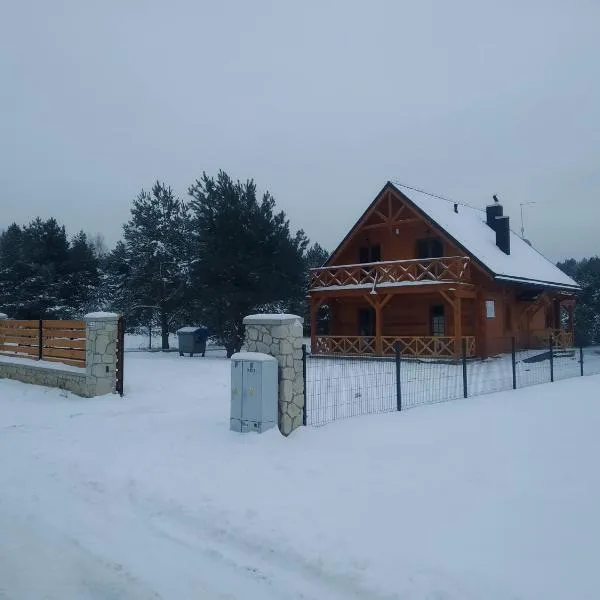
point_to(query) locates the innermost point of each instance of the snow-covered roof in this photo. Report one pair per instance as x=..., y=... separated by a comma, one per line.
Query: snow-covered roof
x=190, y=329
x=468, y=227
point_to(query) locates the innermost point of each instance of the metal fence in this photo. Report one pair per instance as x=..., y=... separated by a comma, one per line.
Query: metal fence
x=342, y=387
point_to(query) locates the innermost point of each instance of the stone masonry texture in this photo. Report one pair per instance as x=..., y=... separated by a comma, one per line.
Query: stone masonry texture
x=280, y=336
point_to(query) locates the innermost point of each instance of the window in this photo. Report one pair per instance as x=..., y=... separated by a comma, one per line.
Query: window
x=430, y=248
x=366, y=322
x=438, y=321
x=369, y=254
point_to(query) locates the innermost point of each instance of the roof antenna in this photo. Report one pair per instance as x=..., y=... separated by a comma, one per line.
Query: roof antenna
x=522, y=222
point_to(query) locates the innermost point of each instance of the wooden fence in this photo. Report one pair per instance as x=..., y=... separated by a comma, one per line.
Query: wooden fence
x=55, y=341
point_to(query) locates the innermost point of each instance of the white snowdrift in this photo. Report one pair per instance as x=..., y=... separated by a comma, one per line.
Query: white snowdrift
x=151, y=496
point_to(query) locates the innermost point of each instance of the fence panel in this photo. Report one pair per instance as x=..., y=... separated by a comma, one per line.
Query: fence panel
x=428, y=381
x=591, y=360
x=337, y=388
x=64, y=341
x=54, y=341
x=19, y=338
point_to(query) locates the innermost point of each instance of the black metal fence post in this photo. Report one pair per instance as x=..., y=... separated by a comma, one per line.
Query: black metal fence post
x=398, y=383
x=581, y=360
x=41, y=339
x=120, y=375
x=464, y=367
x=551, y=358
x=304, y=383
x=514, y=363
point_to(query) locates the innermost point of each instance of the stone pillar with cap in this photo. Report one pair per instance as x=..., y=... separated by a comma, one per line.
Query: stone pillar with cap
x=280, y=336
x=101, y=352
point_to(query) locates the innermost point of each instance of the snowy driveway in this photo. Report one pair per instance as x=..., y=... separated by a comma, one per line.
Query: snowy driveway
x=150, y=496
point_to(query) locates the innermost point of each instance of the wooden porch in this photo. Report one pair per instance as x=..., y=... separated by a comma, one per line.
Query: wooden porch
x=398, y=295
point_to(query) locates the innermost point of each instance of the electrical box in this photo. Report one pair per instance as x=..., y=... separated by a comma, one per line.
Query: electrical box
x=254, y=392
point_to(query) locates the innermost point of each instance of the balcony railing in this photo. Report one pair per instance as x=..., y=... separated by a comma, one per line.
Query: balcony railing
x=414, y=346
x=562, y=338
x=454, y=269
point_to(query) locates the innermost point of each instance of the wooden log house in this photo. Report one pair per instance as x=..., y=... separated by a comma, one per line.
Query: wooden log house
x=434, y=277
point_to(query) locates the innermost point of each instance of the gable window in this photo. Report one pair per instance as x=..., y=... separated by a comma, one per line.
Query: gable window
x=369, y=254
x=430, y=248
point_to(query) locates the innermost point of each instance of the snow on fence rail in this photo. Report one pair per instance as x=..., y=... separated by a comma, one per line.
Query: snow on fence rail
x=342, y=387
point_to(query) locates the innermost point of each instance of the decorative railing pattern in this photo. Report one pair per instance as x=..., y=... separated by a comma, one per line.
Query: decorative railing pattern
x=451, y=268
x=415, y=346
x=346, y=345
x=561, y=338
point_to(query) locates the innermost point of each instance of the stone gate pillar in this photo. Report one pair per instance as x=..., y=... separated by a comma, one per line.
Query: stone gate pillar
x=281, y=337
x=101, y=352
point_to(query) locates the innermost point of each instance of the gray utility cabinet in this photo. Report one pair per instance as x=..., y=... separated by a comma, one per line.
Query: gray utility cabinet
x=254, y=392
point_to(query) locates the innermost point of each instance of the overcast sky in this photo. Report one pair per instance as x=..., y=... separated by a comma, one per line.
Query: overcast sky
x=321, y=102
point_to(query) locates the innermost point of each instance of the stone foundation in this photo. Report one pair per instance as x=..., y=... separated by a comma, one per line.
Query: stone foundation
x=281, y=337
x=47, y=374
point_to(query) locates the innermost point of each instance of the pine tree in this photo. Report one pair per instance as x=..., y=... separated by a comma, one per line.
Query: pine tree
x=246, y=259
x=45, y=257
x=83, y=279
x=12, y=271
x=156, y=255
x=586, y=273
x=316, y=256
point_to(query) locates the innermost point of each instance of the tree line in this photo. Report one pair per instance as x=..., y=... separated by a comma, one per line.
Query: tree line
x=222, y=253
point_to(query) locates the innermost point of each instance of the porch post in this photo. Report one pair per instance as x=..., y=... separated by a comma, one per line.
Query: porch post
x=313, y=325
x=378, y=329
x=480, y=326
x=457, y=326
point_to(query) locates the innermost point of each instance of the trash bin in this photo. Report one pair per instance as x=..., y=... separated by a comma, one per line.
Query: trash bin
x=192, y=340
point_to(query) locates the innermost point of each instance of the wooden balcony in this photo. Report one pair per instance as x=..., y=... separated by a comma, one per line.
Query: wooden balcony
x=449, y=269
x=412, y=346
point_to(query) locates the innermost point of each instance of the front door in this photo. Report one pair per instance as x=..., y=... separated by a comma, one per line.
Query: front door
x=437, y=321
x=366, y=322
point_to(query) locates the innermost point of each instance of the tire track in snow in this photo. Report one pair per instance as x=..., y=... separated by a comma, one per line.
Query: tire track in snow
x=276, y=566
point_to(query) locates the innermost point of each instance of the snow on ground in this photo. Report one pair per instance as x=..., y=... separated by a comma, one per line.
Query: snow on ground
x=151, y=496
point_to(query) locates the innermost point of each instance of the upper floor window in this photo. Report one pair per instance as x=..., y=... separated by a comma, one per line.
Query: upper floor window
x=369, y=254
x=430, y=248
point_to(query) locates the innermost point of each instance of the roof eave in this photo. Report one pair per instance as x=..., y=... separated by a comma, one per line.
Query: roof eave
x=537, y=283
